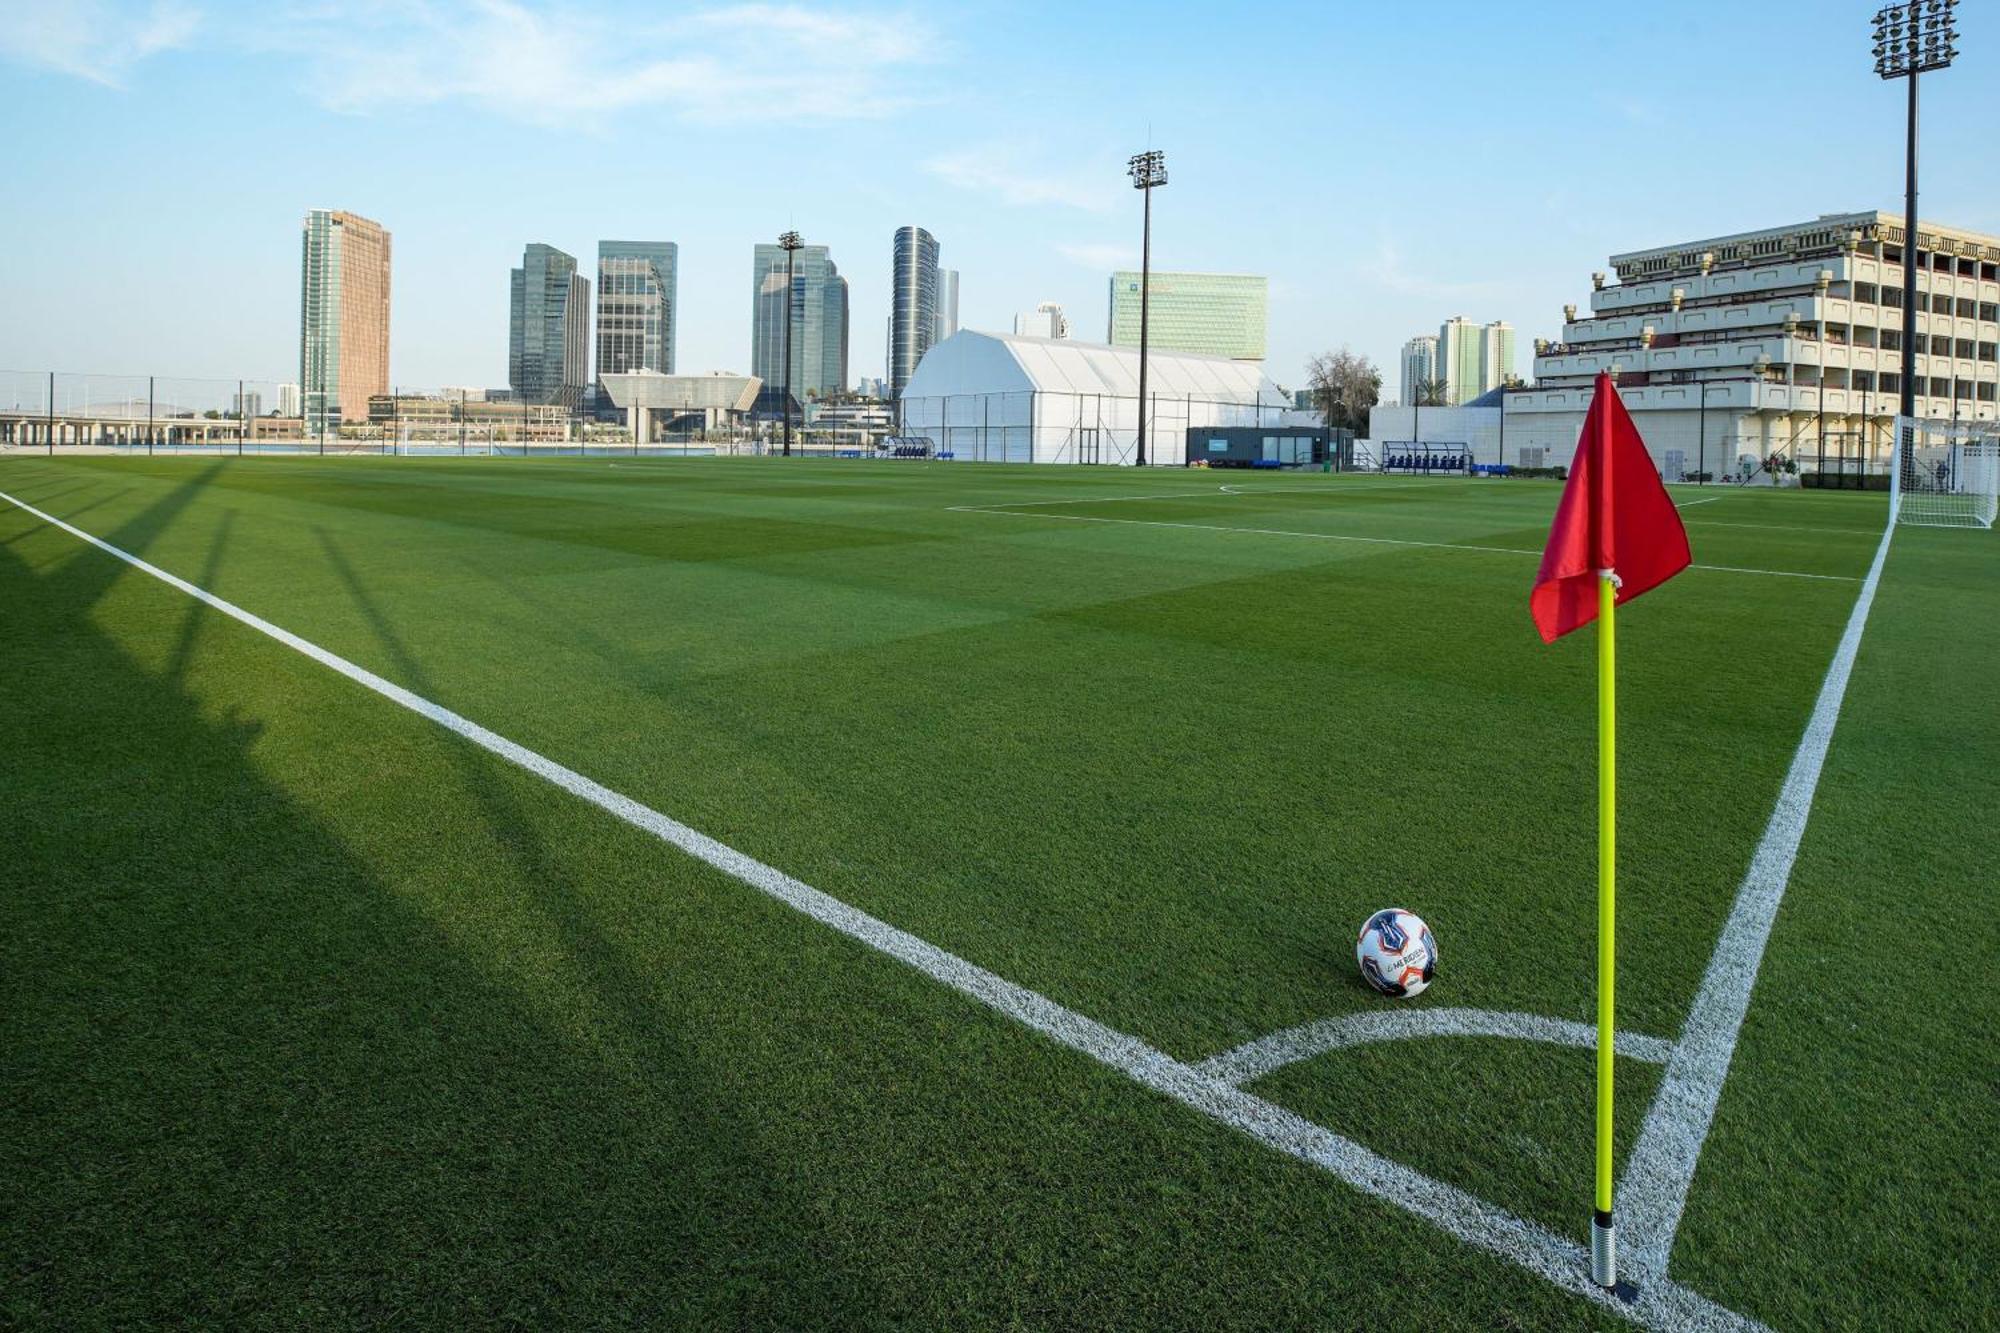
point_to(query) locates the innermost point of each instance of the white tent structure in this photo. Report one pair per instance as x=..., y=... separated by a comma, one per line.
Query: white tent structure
x=1001, y=397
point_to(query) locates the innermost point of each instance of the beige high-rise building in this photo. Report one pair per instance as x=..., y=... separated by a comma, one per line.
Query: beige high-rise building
x=343, y=317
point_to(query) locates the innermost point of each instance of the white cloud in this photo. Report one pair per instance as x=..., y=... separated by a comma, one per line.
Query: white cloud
x=1390, y=270
x=1099, y=254
x=998, y=170
x=736, y=63
x=92, y=39
x=1646, y=115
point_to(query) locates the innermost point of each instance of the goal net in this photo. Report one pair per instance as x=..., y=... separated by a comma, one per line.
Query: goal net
x=1947, y=474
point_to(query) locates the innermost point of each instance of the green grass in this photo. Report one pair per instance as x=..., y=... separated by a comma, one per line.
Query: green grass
x=315, y=1014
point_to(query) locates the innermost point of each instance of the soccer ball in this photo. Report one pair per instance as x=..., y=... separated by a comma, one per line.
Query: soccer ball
x=1397, y=952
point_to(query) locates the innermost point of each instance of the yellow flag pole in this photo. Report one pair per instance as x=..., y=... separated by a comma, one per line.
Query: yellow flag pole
x=1603, y=1235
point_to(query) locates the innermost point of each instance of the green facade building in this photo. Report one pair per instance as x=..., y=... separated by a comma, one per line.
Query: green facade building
x=1213, y=314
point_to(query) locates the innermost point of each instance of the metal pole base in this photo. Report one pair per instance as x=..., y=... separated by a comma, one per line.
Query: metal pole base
x=1603, y=1251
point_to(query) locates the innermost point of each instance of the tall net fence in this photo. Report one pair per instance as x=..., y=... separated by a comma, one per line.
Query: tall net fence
x=110, y=413
x=1947, y=474
x=86, y=412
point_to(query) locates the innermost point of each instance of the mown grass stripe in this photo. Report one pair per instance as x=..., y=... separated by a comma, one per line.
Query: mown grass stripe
x=1470, y=1219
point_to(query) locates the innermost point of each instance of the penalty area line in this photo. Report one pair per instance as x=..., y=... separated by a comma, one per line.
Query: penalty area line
x=1561, y=1262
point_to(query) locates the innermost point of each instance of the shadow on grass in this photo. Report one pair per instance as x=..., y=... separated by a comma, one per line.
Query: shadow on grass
x=247, y=1081
x=604, y=968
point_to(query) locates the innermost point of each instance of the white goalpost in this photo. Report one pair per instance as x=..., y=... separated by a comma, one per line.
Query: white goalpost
x=1947, y=474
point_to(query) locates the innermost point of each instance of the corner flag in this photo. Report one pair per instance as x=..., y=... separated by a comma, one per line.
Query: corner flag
x=1616, y=534
x=1614, y=515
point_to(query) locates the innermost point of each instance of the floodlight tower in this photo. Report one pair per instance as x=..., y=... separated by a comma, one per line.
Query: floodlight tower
x=1148, y=170
x=789, y=242
x=1910, y=38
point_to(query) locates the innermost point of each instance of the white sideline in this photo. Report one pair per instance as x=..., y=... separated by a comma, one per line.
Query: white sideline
x=1266, y=1055
x=1653, y=1194
x=1347, y=537
x=1556, y=1259
x=1689, y=504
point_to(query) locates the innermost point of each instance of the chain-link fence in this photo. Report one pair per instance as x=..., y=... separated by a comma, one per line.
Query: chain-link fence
x=53, y=412
x=67, y=412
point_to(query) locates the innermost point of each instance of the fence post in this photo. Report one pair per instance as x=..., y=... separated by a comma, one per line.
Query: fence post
x=51, y=423
x=242, y=418
x=149, y=412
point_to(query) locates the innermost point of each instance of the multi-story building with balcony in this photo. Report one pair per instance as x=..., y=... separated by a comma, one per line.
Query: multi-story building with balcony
x=1784, y=341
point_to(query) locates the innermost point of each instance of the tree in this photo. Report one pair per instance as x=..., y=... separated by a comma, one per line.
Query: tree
x=1345, y=385
x=1430, y=393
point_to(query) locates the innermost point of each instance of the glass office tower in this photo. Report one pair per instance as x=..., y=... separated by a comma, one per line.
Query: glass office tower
x=913, y=307
x=548, y=332
x=819, y=323
x=637, y=303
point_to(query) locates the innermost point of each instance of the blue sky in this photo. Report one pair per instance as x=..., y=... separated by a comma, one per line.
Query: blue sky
x=1386, y=165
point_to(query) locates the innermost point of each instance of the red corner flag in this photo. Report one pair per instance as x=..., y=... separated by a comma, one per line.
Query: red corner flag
x=1614, y=515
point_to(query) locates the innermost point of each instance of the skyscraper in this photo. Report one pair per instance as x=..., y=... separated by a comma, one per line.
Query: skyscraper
x=548, y=331
x=1420, y=360
x=637, y=304
x=819, y=323
x=343, y=316
x=1461, y=349
x=1215, y=314
x=913, y=305
x=1473, y=358
x=947, y=305
x=1496, y=354
x=1046, y=320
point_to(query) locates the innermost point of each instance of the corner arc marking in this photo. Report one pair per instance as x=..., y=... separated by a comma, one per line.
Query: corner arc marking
x=1266, y=1055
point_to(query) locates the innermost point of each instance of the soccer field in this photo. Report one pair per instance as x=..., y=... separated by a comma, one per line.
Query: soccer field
x=1010, y=980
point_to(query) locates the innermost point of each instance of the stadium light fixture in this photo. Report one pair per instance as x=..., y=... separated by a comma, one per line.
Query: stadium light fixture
x=1148, y=171
x=790, y=243
x=1911, y=38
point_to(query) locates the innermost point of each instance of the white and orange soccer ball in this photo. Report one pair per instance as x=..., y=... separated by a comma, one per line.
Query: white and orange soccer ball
x=1397, y=952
